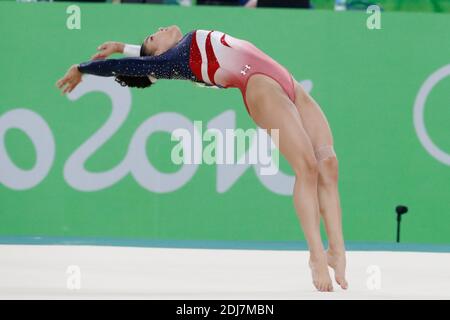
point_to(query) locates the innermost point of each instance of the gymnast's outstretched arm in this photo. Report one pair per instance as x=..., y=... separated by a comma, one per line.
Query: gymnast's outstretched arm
x=131, y=66
x=171, y=64
x=162, y=66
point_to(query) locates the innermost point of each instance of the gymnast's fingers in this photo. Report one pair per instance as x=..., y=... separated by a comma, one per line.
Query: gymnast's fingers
x=72, y=86
x=61, y=82
x=62, y=90
x=101, y=47
x=68, y=84
x=98, y=56
x=66, y=89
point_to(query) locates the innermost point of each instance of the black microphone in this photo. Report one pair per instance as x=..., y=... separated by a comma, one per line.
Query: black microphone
x=401, y=210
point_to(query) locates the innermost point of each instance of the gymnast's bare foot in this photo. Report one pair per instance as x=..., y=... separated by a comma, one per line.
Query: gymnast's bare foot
x=336, y=260
x=319, y=269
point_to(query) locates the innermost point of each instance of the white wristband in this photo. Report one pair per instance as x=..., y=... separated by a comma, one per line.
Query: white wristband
x=131, y=50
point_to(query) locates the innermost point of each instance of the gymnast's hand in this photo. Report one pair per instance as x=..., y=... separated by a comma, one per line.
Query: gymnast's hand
x=70, y=80
x=108, y=48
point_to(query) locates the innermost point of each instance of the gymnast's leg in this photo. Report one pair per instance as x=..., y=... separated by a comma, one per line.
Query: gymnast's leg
x=271, y=108
x=318, y=129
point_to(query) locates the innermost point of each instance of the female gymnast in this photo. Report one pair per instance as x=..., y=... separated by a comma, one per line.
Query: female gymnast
x=274, y=100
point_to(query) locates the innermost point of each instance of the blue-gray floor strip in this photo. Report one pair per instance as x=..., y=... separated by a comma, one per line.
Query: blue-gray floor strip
x=213, y=244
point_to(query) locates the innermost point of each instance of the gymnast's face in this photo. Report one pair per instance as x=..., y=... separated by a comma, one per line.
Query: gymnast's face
x=162, y=40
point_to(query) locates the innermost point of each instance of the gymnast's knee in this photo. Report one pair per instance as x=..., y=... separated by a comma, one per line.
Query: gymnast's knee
x=327, y=164
x=306, y=168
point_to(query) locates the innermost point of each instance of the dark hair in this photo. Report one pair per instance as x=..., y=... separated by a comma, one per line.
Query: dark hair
x=135, y=82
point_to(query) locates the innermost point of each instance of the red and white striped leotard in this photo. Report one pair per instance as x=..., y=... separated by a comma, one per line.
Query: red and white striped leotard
x=219, y=59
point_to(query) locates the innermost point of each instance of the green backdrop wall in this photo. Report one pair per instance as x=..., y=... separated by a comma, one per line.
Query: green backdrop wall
x=367, y=82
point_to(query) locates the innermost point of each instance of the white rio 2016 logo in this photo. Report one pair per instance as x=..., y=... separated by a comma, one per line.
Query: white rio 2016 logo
x=419, y=107
x=135, y=161
x=42, y=138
